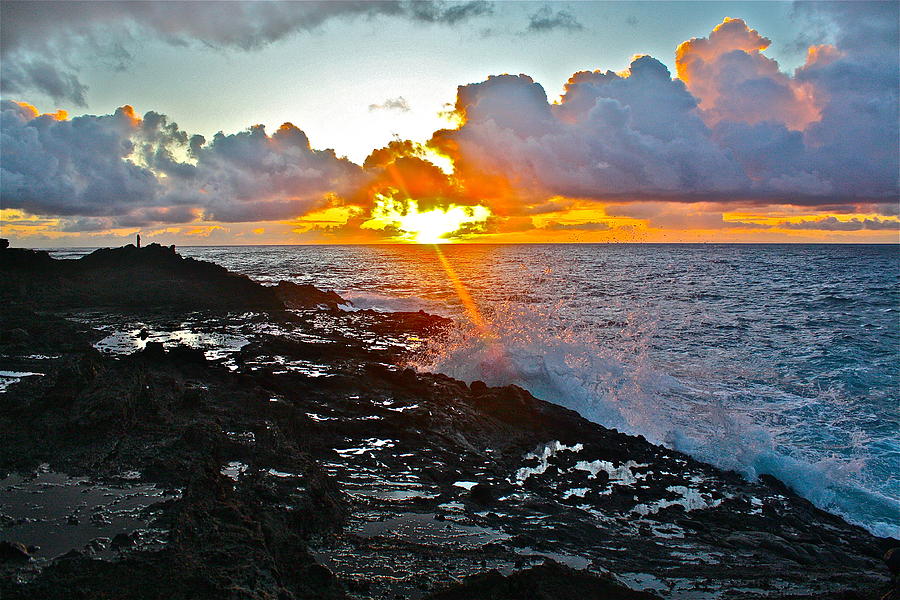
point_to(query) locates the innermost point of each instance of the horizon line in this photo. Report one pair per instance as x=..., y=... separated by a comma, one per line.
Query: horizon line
x=395, y=244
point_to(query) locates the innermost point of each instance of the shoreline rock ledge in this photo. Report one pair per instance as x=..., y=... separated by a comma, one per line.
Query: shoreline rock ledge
x=306, y=462
x=146, y=278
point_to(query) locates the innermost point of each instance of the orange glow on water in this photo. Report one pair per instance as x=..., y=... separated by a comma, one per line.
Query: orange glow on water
x=464, y=297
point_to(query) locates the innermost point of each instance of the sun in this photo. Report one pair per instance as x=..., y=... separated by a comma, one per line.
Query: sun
x=434, y=226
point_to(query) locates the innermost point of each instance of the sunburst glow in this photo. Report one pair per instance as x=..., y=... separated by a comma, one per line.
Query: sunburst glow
x=434, y=226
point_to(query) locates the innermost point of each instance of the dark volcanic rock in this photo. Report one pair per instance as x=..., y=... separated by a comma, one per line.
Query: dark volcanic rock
x=14, y=552
x=892, y=560
x=131, y=278
x=481, y=494
x=550, y=581
x=306, y=296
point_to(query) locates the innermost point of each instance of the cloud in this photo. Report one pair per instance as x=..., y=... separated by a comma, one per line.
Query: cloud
x=610, y=136
x=73, y=167
x=736, y=131
x=588, y=226
x=669, y=215
x=402, y=172
x=252, y=175
x=448, y=13
x=546, y=20
x=891, y=209
x=834, y=224
x=733, y=80
x=133, y=171
x=399, y=103
x=42, y=44
x=41, y=75
x=677, y=216
x=731, y=128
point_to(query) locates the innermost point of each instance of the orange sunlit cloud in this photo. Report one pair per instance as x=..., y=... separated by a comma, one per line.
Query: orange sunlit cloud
x=59, y=115
x=709, y=68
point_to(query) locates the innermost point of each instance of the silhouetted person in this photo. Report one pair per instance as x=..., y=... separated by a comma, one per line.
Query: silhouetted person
x=138, y=240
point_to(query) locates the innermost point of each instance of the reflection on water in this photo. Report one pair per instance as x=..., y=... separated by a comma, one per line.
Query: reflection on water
x=58, y=513
x=215, y=345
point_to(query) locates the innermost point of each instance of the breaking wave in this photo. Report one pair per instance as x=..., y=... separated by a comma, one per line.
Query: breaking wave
x=617, y=386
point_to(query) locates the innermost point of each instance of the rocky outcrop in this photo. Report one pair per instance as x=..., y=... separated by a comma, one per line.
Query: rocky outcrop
x=550, y=581
x=142, y=279
x=293, y=295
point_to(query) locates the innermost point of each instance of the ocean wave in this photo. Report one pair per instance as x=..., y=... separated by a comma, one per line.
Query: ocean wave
x=618, y=386
x=386, y=303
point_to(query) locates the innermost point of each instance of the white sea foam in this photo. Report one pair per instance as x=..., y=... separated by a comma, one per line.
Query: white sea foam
x=7, y=378
x=689, y=498
x=621, y=475
x=543, y=457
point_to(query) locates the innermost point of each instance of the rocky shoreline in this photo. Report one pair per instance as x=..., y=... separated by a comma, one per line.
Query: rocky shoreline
x=172, y=430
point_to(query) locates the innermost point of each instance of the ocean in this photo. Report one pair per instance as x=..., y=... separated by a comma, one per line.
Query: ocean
x=763, y=359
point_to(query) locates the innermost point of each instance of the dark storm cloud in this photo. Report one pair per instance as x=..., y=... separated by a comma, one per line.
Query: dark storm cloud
x=891, y=209
x=546, y=20
x=86, y=224
x=71, y=167
x=141, y=217
x=42, y=44
x=251, y=175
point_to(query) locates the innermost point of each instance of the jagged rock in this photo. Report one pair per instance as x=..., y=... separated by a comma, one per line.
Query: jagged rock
x=154, y=351
x=550, y=581
x=478, y=388
x=130, y=278
x=306, y=296
x=892, y=560
x=14, y=552
x=481, y=494
x=123, y=540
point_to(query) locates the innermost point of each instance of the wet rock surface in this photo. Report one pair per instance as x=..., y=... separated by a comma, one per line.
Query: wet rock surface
x=288, y=454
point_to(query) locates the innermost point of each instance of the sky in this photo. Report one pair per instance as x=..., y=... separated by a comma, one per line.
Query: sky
x=372, y=122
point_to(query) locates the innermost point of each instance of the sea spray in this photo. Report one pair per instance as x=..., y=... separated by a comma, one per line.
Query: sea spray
x=616, y=385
